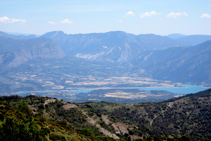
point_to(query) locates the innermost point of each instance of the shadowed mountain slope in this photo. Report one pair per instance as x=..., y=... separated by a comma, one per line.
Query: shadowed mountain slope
x=190, y=64
x=14, y=52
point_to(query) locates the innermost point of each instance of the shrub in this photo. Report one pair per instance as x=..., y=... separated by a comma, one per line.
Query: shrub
x=56, y=137
x=86, y=132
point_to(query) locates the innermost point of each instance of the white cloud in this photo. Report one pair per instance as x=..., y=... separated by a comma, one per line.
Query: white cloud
x=66, y=21
x=11, y=20
x=130, y=13
x=205, y=16
x=51, y=22
x=149, y=14
x=176, y=15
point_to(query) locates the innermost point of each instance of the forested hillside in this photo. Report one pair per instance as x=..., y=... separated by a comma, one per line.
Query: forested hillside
x=43, y=118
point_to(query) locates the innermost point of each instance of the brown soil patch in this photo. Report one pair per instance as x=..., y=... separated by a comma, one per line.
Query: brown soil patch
x=120, y=128
x=69, y=106
x=50, y=101
x=105, y=119
x=103, y=130
x=135, y=137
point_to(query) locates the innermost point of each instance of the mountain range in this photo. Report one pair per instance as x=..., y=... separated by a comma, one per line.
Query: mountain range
x=177, y=58
x=112, y=46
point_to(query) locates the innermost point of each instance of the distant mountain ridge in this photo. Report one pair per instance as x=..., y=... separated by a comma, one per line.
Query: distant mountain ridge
x=18, y=36
x=116, y=46
x=193, y=40
x=119, y=46
x=15, y=51
x=161, y=57
x=175, y=35
x=189, y=64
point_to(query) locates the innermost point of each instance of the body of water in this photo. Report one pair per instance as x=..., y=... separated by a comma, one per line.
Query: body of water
x=187, y=89
x=52, y=91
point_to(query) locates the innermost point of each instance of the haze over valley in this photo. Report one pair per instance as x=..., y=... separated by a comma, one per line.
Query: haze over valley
x=56, y=64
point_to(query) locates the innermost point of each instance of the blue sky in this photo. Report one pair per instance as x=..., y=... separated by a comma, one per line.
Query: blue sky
x=161, y=17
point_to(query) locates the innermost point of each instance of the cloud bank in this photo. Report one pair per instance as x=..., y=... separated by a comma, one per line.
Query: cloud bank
x=205, y=16
x=66, y=21
x=7, y=20
x=149, y=14
x=176, y=15
x=130, y=13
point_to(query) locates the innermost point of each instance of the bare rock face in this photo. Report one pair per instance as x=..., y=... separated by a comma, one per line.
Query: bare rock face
x=14, y=52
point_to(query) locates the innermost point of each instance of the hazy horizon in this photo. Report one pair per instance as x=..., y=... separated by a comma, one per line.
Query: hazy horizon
x=81, y=17
x=26, y=34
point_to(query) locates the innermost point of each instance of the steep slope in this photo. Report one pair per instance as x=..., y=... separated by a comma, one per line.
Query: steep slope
x=183, y=116
x=14, y=52
x=191, y=64
x=186, y=117
x=114, y=46
x=30, y=119
x=20, y=122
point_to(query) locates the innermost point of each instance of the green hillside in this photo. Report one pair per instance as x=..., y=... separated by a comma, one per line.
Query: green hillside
x=44, y=118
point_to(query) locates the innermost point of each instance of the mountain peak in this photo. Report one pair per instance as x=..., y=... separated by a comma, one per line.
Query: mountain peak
x=54, y=33
x=117, y=32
